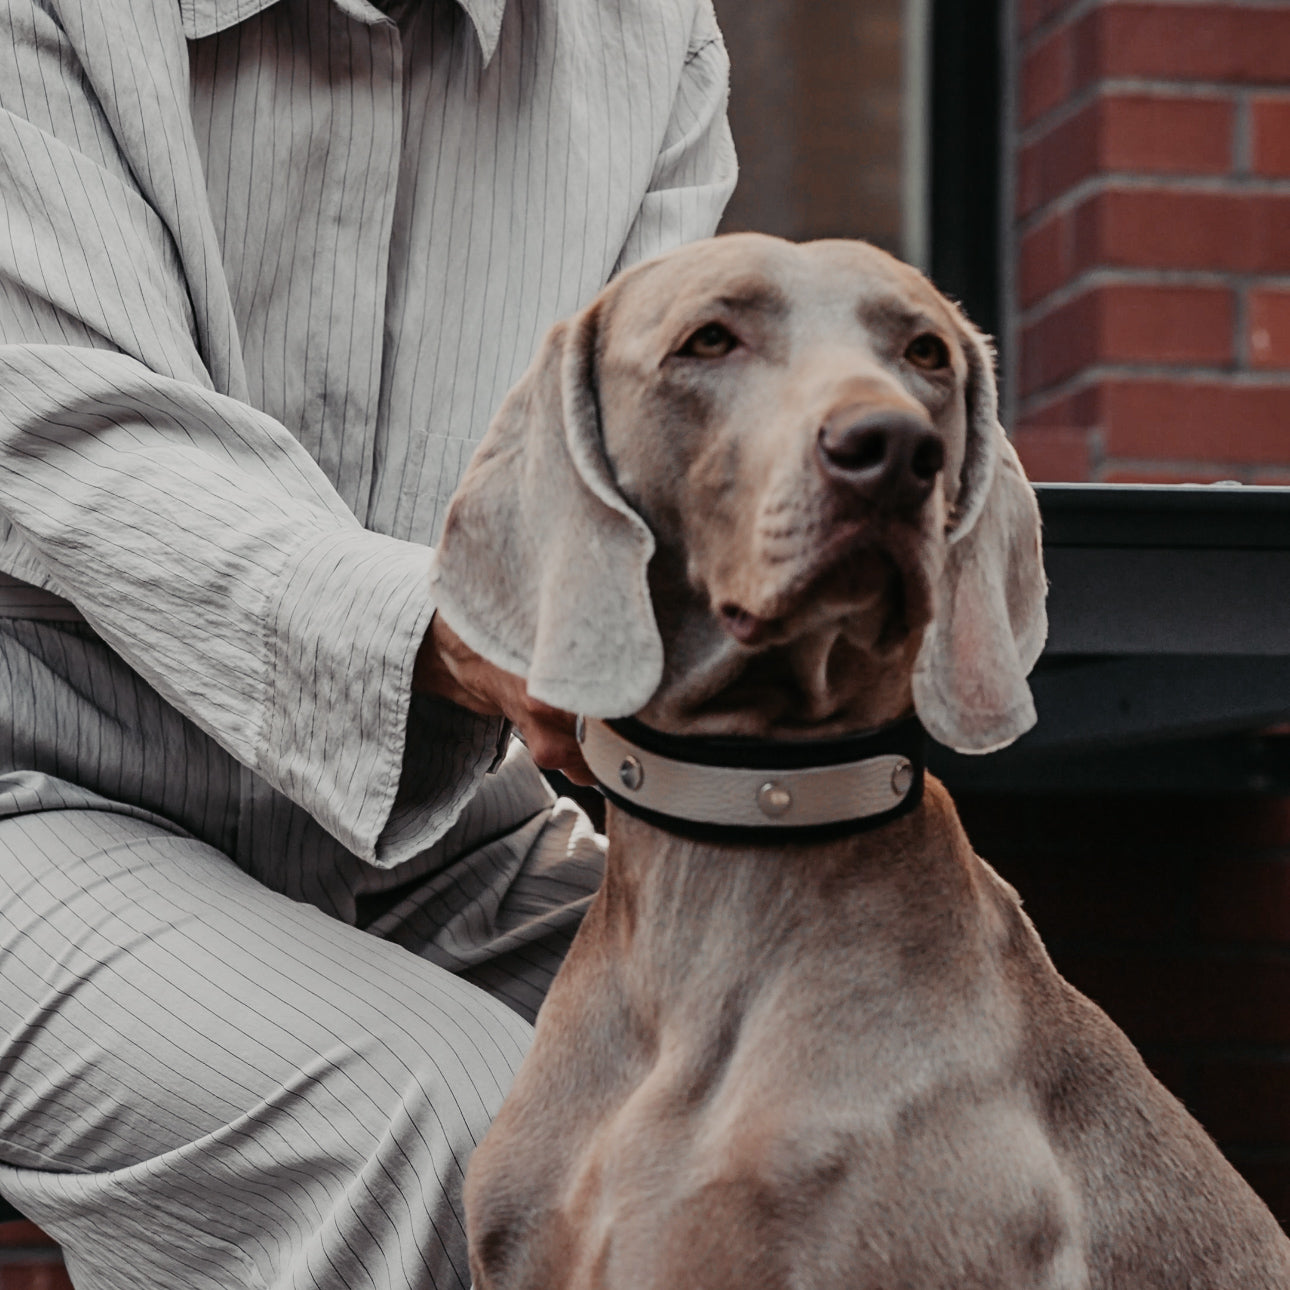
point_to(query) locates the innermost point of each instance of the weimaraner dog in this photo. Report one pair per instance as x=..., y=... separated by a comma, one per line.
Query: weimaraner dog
x=756, y=496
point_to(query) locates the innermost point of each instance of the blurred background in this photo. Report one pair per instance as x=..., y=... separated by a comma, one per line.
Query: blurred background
x=1104, y=185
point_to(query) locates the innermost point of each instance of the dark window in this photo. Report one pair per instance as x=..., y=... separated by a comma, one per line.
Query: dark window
x=965, y=155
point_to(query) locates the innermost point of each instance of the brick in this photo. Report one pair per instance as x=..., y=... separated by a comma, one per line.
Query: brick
x=36, y=1273
x=1045, y=259
x=1056, y=454
x=1047, y=76
x=1128, y=323
x=1059, y=413
x=1206, y=42
x=1270, y=219
x=1058, y=161
x=1271, y=136
x=1166, y=324
x=34, y=1276
x=29, y=1259
x=1162, y=228
x=1153, y=133
x=1157, y=228
x=1196, y=420
x=1061, y=344
x=1082, y=408
x=1034, y=13
x=1137, y=133
x=22, y=1234
x=1244, y=901
x=1185, y=999
x=1269, y=328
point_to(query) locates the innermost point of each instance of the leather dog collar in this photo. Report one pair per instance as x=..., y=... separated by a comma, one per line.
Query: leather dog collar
x=728, y=789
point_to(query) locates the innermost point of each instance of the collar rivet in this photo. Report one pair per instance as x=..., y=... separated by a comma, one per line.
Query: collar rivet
x=774, y=799
x=631, y=773
x=902, y=778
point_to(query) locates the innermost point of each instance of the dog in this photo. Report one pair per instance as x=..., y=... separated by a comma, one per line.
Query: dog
x=755, y=501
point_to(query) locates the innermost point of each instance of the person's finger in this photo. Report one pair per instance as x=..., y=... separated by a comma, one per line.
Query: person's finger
x=579, y=775
x=546, y=712
x=554, y=747
x=554, y=719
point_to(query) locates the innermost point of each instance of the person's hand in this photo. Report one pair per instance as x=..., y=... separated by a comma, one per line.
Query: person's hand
x=449, y=669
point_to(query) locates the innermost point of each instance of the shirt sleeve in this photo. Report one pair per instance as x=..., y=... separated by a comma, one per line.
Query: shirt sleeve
x=696, y=170
x=194, y=533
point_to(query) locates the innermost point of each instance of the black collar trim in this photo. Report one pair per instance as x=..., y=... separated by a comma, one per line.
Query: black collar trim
x=905, y=736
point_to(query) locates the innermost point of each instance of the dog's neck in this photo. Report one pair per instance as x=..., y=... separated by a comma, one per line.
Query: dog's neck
x=702, y=920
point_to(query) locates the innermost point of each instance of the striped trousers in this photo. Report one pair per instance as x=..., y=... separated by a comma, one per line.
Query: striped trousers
x=231, y=1053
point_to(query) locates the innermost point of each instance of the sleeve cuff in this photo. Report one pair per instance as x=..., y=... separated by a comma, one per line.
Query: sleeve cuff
x=353, y=610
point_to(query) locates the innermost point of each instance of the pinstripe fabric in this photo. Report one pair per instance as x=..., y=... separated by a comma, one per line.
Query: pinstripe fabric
x=266, y=268
x=255, y=312
x=313, y=1135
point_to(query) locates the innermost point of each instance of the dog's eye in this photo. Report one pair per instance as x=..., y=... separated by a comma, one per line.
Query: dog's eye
x=928, y=351
x=712, y=340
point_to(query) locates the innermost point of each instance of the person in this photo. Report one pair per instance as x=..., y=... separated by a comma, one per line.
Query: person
x=278, y=899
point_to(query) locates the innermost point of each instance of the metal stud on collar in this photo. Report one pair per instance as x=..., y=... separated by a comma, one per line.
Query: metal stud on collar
x=902, y=778
x=774, y=799
x=631, y=773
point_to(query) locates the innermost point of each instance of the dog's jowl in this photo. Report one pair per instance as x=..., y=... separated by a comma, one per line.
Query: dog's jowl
x=753, y=515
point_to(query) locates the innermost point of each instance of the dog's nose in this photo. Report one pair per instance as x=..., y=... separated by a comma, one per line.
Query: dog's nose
x=889, y=458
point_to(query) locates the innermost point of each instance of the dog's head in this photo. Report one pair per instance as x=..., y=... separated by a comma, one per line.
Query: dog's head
x=756, y=488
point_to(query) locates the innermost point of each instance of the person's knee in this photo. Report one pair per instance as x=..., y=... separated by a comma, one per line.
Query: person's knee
x=438, y=1067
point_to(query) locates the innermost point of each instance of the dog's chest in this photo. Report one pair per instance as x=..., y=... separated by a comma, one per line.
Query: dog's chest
x=770, y=1172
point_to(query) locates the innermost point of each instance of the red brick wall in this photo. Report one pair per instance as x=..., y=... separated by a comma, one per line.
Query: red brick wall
x=29, y=1260
x=1152, y=247
x=1173, y=913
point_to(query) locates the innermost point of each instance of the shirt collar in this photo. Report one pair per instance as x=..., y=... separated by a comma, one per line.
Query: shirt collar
x=206, y=17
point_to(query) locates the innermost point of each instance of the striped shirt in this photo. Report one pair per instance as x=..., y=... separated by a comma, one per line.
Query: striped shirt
x=267, y=267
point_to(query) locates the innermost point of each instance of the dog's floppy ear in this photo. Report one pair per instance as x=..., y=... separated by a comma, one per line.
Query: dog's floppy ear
x=542, y=564
x=990, y=623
